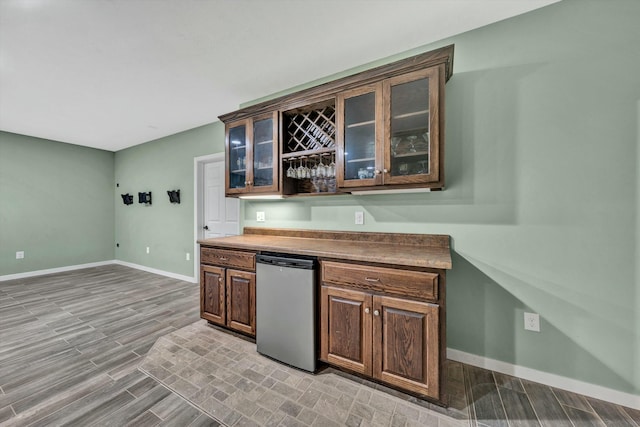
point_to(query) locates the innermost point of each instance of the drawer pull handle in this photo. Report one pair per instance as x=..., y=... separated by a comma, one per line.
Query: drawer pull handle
x=376, y=313
x=366, y=310
x=372, y=279
x=224, y=258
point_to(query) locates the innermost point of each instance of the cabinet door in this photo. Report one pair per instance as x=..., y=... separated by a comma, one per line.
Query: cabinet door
x=241, y=301
x=359, y=137
x=212, y=294
x=412, y=127
x=406, y=344
x=345, y=329
x=265, y=154
x=238, y=157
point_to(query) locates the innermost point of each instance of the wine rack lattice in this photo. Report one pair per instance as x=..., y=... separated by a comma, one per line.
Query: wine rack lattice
x=312, y=129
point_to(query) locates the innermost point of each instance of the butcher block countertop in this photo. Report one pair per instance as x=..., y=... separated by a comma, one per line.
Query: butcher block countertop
x=411, y=250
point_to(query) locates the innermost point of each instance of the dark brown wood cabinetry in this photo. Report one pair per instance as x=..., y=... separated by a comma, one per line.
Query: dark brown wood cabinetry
x=384, y=323
x=228, y=294
x=252, y=155
x=379, y=129
x=382, y=298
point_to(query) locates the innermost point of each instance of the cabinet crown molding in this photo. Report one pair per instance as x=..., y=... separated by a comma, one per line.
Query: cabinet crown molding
x=321, y=92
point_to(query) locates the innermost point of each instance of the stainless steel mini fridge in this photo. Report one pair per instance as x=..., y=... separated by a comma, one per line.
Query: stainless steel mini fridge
x=286, y=309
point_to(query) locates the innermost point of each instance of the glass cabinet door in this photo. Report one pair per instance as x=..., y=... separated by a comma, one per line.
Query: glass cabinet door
x=359, y=137
x=237, y=157
x=265, y=154
x=412, y=128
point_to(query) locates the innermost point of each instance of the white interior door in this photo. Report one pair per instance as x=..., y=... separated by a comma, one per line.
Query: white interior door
x=221, y=214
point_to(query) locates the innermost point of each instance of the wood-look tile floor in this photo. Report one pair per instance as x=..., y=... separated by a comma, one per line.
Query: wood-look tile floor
x=71, y=344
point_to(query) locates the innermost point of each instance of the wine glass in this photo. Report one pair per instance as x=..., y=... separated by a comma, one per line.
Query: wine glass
x=291, y=172
x=307, y=171
x=412, y=139
x=423, y=166
x=331, y=169
x=322, y=171
x=395, y=140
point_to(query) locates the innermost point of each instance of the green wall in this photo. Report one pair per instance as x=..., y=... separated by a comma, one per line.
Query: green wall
x=167, y=229
x=542, y=197
x=56, y=204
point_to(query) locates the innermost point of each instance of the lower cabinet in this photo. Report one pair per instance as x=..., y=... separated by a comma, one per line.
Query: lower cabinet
x=388, y=338
x=228, y=297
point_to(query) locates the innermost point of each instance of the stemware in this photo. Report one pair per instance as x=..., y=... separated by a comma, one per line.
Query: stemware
x=423, y=166
x=412, y=147
x=322, y=171
x=395, y=140
x=331, y=169
x=291, y=172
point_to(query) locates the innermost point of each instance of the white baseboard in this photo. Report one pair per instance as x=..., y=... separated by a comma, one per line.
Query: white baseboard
x=553, y=380
x=97, y=264
x=53, y=270
x=156, y=271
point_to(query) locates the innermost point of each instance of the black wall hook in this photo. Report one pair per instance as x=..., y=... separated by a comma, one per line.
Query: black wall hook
x=144, y=198
x=127, y=199
x=174, y=196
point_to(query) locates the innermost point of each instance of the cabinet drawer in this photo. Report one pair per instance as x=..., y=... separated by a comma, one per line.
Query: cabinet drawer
x=405, y=283
x=228, y=258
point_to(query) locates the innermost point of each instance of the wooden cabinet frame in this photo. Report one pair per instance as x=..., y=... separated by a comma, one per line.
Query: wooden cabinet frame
x=249, y=187
x=394, y=338
x=436, y=64
x=228, y=295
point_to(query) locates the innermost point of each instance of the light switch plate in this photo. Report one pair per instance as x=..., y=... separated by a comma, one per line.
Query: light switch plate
x=260, y=217
x=20, y=255
x=359, y=218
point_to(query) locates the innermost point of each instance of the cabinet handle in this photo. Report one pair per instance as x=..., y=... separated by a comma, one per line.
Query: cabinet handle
x=366, y=310
x=385, y=171
x=376, y=313
x=372, y=279
x=224, y=259
x=220, y=279
x=377, y=172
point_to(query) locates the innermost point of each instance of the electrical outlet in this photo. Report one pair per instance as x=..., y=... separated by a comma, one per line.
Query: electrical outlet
x=20, y=255
x=260, y=217
x=147, y=249
x=532, y=322
x=359, y=218
x=188, y=257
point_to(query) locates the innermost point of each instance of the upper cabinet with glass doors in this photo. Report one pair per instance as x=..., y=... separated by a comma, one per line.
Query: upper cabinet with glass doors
x=389, y=133
x=252, y=155
x=380, y=129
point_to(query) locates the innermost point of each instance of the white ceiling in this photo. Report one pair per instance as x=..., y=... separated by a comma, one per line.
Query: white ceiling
x=111, y=74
